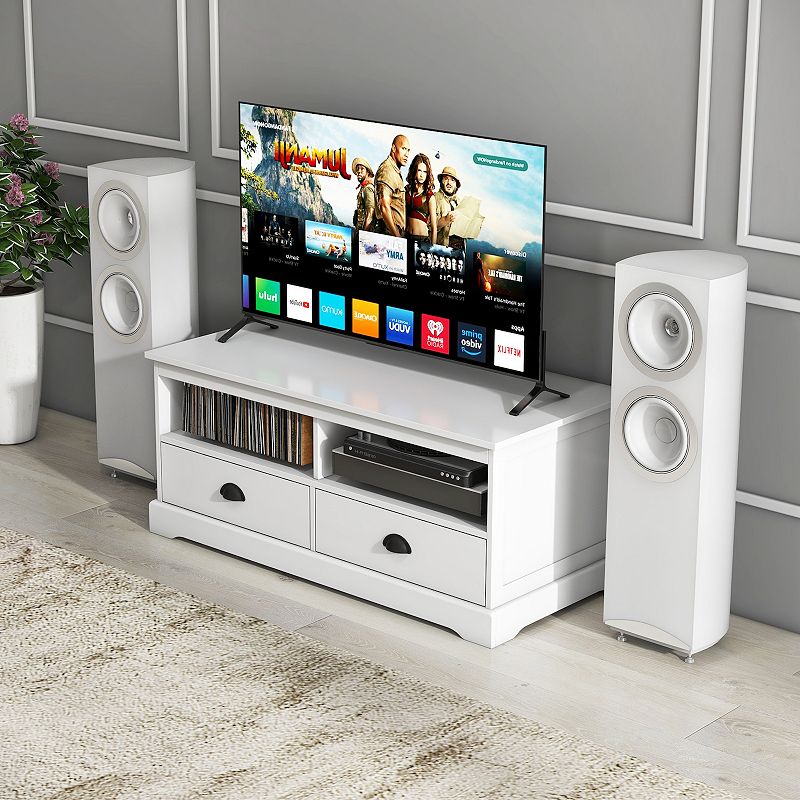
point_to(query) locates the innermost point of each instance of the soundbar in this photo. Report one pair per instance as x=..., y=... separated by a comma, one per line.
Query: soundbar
x=452, y=495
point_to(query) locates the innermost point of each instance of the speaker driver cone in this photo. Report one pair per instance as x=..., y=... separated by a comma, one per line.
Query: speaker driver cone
x=121, y=304
x=656, y=434
x=660, y=331
x=118, y=219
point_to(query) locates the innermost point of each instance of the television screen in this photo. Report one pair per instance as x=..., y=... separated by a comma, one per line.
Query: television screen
x=412, y=238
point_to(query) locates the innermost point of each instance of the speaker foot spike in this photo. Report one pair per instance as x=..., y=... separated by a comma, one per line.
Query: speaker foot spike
x=689, y=659
x=621, y=637
x=113, y=473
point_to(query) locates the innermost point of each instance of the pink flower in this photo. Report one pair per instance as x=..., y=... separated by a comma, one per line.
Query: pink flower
x=51, y=168
x=15, y=196
x=47, y=238
x=36, y=219
x=15, y=179
x=19, y=122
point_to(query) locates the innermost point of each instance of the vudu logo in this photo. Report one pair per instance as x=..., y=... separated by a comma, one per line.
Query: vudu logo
x=399, y=326
x=472, y=342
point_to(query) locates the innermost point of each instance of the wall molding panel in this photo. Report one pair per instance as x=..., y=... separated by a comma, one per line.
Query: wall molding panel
x=181, y=143
x=217, y=150
x=744, y=238
x=768, y=504
x=695, y=229
x=68, y=322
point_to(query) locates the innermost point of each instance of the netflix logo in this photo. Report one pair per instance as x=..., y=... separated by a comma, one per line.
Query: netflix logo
x=509, y=350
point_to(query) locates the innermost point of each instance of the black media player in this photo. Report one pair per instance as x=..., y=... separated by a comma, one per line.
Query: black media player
x=428, y=463
x=455, y=483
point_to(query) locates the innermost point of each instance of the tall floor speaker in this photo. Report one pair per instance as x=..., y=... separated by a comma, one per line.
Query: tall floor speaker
x=676, y=384
x=144, y=294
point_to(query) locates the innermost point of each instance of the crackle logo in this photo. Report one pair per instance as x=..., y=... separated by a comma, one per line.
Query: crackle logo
x=435, y=334
x=365, y=318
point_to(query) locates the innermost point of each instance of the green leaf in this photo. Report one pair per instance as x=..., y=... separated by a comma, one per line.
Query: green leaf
x=8, y=266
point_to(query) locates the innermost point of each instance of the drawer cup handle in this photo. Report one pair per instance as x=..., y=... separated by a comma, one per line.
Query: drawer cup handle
x=230, y=491
x=395, y=543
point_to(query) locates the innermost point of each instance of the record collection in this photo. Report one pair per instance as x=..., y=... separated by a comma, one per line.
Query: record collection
x=245, y=424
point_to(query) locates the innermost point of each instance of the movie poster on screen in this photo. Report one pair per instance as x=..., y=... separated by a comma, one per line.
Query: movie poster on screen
x=328, y=241
x=382, y=253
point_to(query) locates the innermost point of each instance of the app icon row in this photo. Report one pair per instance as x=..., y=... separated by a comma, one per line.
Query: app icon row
x=471, y=340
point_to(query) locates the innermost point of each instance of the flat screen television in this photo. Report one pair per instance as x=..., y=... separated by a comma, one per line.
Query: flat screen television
x=416, y=239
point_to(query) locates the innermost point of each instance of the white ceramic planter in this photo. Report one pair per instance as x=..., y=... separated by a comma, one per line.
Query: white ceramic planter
x=21, y=347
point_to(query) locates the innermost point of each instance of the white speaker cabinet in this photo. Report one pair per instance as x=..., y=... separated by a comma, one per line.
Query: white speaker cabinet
x=675, y=397
x=144, y=294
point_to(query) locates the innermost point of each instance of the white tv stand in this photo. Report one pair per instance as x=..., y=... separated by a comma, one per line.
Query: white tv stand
x=540, y=548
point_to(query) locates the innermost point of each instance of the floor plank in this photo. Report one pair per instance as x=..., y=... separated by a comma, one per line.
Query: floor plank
x=729, y=720
x=608, y=727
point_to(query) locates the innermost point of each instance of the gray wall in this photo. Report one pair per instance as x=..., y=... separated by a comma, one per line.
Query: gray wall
x=611, y=87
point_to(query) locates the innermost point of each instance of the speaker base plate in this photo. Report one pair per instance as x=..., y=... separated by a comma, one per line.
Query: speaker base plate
x=128, y=467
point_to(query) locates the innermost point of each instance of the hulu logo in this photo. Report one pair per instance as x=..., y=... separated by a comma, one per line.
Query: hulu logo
x=268, y=296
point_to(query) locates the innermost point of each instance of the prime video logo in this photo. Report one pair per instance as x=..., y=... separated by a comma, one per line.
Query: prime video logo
x=472, y=342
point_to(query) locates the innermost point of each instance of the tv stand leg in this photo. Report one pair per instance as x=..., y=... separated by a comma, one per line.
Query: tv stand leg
x=240, y=324
x=540, y=385
x=529, y=398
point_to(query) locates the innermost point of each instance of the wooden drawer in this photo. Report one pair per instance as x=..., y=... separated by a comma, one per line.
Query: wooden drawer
x=273, y=506
x=442, y=559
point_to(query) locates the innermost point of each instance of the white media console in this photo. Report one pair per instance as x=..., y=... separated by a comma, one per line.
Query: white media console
x=540, y=547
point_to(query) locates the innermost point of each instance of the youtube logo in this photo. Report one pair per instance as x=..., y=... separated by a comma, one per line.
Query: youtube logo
x=298, y=303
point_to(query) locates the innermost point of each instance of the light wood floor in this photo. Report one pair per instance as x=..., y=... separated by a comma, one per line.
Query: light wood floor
x=731, y=720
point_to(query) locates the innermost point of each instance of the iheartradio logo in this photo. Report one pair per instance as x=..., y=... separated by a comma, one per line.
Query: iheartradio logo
x=435, y=327
x=436, y=334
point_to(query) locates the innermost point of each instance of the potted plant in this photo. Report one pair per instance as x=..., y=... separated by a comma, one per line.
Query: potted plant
x=34, y=231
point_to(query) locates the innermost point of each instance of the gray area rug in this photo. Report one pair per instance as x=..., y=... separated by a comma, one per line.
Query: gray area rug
x=112, y=686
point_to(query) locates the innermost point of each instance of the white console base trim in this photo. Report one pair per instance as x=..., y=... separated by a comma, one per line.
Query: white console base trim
x=470, y=621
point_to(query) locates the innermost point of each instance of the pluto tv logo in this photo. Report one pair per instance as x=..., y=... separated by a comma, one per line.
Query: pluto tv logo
x=399, y=326
x=472, y=342
x=435, y=334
